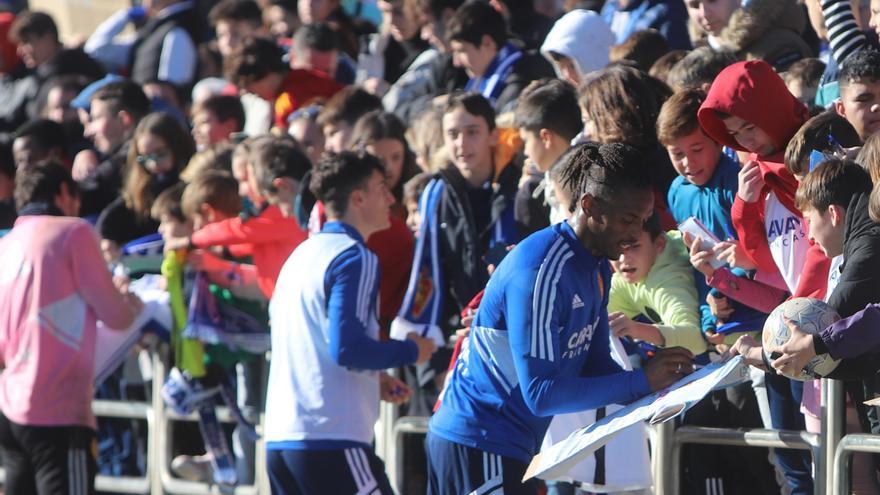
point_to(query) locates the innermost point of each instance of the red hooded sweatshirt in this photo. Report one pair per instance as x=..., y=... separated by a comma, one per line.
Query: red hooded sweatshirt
x=771, y=230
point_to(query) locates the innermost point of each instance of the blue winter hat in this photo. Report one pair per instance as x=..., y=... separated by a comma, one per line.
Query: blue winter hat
x=83, y=99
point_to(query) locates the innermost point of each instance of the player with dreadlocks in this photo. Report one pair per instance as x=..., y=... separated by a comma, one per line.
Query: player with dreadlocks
x=539, y=345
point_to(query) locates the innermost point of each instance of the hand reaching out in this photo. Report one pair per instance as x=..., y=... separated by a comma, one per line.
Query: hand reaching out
x=701, y=259
x=733, y=254
x=393, y=390
x=797, y=352
x=751, y=351
x=205, y=261
x=620, y=324
x=720, y=307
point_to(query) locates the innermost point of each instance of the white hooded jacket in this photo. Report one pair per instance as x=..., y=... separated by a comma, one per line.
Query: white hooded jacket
x=583, y=36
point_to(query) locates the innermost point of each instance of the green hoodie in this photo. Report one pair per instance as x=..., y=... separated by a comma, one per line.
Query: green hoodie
x=667, y=297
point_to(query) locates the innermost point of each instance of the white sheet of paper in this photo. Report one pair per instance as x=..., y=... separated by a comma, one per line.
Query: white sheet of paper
x=631, y=444
x=113, y=346
x=661, y=406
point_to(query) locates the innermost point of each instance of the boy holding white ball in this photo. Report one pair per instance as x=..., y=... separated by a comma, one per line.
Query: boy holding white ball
x=835, y=199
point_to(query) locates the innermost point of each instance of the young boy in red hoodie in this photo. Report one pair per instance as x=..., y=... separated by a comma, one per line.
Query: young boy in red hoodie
x=749, y=109
x=269, y=237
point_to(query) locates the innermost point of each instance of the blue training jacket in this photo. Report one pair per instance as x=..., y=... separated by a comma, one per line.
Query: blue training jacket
x=539, y=346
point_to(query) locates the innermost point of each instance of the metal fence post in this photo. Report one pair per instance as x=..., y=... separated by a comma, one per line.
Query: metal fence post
x=664, y=480
x=159, y=433
x=833, y=415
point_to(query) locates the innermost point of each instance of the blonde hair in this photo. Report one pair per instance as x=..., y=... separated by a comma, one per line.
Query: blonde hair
x=425, y=136
x=869, y=157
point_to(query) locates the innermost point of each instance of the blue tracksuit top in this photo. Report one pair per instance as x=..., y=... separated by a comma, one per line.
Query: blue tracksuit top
x=539, y=346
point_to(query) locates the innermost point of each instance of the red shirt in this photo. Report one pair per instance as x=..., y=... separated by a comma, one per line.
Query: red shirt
x=298, y=88
x=271, y=237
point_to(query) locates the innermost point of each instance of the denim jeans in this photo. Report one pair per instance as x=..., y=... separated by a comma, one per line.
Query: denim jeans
x=784, y=396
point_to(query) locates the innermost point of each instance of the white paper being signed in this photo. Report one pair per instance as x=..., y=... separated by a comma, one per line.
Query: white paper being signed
x=658, y=407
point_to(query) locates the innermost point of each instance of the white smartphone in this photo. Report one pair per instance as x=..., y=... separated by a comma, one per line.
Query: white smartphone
x=695, y=228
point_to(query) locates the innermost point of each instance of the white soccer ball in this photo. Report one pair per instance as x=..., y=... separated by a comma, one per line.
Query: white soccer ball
x=812, y=316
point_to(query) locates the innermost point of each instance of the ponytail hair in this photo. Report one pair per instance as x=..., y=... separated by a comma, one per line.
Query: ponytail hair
x=604, y=171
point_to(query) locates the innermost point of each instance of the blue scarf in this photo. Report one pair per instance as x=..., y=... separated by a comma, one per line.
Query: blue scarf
x=492, y=83
x=422, y=307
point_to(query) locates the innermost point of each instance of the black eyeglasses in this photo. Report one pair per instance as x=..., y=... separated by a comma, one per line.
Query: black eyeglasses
x=152, y=157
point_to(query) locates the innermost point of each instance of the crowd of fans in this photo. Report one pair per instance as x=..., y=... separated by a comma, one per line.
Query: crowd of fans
x=200, y=142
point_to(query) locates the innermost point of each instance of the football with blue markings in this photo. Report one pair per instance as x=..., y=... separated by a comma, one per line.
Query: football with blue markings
x=812, y=316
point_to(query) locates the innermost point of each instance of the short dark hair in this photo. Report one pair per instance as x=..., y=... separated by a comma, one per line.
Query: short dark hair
x=224, y=107
x=217, y=189
x=660, y=69
x=338, y=174
x=235, y=10
x=653, y=227
x=436, y=7
x=44, y=133
x=275, y=158
x=169, y=202
x=413, y=189
x=348, y=105
x=472, y=103
x=833, y=182
x=863, y=65
x=253, y=60
x=643, y=47
x=604, y=171
x=701, y=66
x=32, y=23
x=317, y=36
x=813, y=135
x=42, y=184
x=549, y=104
x=678, y=115
x=124, y=96
x=73, y=83
x=806, y=70
x=378, y=125
x=474, y=20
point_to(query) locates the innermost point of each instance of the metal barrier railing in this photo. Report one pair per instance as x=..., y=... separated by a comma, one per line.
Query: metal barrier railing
x=158, y=479
x=848, y=445
x=126, y=410
x=831, y=453
x=741, y=438
x=669, y=440
x=406, y=425
x=163, y=481
x=822, y=445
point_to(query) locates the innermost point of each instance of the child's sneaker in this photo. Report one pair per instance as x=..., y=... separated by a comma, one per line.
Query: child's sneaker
x=193, y=468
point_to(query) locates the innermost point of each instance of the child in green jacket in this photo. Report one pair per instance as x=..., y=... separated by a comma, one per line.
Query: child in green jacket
x=654, y=281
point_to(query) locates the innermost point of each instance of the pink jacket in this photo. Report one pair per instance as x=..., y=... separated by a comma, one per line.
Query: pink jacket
x=54, y=286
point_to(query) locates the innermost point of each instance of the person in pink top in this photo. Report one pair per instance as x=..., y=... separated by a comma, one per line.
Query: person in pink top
x=54, y=286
